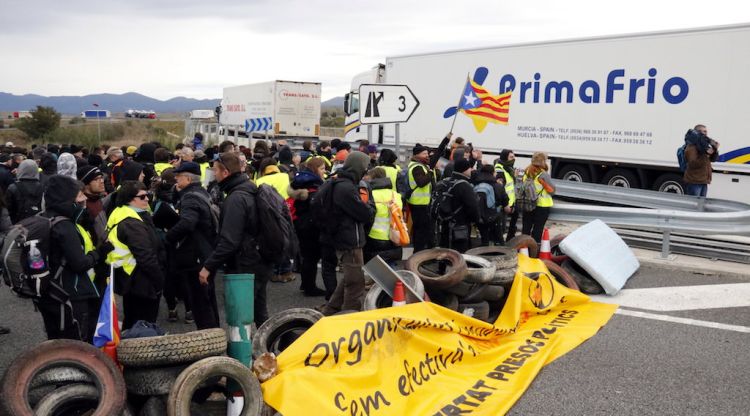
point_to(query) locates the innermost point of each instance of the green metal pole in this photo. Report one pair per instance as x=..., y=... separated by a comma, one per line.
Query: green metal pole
x=239, y=307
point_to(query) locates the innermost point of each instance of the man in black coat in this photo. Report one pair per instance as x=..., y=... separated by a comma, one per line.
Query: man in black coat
x=236, y=247
x=24, y=198
x=492, y=218
x=193, y=238
x=6, y=171
x=64, y=199
x=456, y=234
x=347, y=235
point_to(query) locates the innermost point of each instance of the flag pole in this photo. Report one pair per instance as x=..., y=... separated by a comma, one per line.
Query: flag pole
x=459, y=103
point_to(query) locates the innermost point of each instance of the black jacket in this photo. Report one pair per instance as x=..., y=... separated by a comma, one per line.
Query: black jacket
x=22, y=197
x=464, y=196
x=193, y=236
x=66, y=243
x=147, y=279
x=236, y=245
x=347, y=212
x=6, y=177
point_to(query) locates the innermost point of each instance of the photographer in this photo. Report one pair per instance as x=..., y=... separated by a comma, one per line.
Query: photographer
x=699, y=153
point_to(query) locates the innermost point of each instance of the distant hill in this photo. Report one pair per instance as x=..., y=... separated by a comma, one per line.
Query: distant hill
x=337, y=102
x=116, y=103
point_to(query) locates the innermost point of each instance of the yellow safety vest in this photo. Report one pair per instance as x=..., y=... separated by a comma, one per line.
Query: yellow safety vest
x=279, y=181
x=381, y=228
x=204, y=167
x=510, y=187
x=88, y=247
x=121, y=255
x=392, y=174
x=543, y=199
x=420, y=196
x=161, y=167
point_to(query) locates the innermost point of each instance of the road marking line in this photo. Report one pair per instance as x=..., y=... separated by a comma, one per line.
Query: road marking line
x=682, y=298
x=686, y=321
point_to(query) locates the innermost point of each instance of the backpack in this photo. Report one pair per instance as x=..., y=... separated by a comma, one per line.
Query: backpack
x=402, y=184
x=526, y=194
x=681, y=161
x=276, y=237
x=442, y=204
x=17, y=271
x=487, y=207
x=212, y=208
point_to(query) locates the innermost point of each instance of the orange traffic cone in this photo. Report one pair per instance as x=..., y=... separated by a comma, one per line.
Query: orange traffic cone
x=545, y=251
x=399, y=299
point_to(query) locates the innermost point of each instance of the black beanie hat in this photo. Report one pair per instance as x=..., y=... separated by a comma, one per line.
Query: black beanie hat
x=461, y=165
x=418, y=148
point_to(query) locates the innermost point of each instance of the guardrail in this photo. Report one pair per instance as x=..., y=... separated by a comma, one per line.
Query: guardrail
x=665, y=213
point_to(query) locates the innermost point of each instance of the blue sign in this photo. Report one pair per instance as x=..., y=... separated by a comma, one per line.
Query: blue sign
x=258, y=124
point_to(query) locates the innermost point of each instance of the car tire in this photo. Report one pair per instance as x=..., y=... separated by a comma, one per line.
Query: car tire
x=151, y=381
x=110, y=385
x=561, y=275
x=524, y=240
x=70, y=399
x=60, y=376
x=586, y=283
x=280, y=330
x=479, y=269
x=180, y=397
x=172, y=349
x=503, y=257
x=455, y=272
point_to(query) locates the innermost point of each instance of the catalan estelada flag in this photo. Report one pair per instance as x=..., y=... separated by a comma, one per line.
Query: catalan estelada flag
x=483, y=107
x=107, y=326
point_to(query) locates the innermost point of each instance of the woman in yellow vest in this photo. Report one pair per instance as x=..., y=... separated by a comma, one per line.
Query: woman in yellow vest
x=533, y=222
x=504, y=168
x=388, y=161
x=379, y=240
x=138, y=255
x=161, y=160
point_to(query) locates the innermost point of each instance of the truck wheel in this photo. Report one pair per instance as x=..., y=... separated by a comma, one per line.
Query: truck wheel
x=624, y=178
x=575, y=173
x=671, y=183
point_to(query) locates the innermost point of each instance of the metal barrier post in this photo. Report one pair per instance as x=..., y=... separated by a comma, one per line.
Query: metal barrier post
x=239, y=307
x=665, y=245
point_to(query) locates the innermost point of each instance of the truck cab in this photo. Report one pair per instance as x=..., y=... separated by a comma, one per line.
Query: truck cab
x=353, y=129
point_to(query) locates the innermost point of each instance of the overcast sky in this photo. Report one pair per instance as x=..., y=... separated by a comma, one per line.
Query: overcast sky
x=192, y=48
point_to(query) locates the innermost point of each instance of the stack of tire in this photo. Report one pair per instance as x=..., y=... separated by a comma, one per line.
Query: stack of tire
x=61, y=377
x=167, y=373
x=473, y=284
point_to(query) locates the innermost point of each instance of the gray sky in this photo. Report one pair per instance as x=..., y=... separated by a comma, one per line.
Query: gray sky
x=169, y=48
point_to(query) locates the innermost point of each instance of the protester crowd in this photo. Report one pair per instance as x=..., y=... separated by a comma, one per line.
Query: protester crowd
x=164, y=222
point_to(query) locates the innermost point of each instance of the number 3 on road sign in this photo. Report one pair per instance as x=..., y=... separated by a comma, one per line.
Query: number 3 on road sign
x=402, y=108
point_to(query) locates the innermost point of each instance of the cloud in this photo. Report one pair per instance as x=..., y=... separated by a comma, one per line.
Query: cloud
x=195, y=48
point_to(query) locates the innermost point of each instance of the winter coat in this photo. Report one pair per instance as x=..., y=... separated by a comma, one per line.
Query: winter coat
x=193, y=235
x=22, y=196
x=301, y=190
x=698, y=169
x=236, y=246
x=347, y=212
x=501, y=197
x=147, y=279
x=6, y=177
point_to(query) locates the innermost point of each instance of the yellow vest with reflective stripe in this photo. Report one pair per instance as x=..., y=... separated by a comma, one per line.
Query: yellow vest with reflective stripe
x=161, y=167
x=121, y=255
x=204, y=168
x=279, y=181
x=88, y=247
x=544, y=199
x=510, y=188
x=420, y=196
x=392, y=174
x=381, y=228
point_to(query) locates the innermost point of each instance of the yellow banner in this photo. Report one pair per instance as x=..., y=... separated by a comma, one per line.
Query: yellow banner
x=423, y=359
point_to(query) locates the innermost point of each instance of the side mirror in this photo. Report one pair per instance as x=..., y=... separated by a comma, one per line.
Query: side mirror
x=346, y=104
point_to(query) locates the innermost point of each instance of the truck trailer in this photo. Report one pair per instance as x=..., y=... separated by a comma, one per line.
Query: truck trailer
x=610, y=110
x=275, y=108
x=95, y=114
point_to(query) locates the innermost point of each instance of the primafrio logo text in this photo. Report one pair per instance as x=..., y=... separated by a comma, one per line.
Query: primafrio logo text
x=616, y=88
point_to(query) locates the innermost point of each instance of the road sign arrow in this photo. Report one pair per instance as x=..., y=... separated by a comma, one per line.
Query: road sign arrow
x=386, y=103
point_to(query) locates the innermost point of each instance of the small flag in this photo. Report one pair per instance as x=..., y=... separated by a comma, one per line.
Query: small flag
x=107, y=326
x=483, y=107
x=96, y=105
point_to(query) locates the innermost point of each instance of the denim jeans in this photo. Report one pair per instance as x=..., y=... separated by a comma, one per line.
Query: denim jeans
x=696, y=189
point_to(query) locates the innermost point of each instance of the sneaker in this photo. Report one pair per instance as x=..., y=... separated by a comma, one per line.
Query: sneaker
x=172, y=317
x=189, y=317
x=288, y=277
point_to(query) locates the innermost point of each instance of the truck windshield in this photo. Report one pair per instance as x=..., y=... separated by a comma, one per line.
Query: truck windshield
x=354, y=103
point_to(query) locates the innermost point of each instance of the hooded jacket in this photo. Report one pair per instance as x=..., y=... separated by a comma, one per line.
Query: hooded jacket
x=348, y=213
x=236, y=245
x=66, y=165
x=301, y=190
x=24, y=198
x=193, y=235
x=65, y=241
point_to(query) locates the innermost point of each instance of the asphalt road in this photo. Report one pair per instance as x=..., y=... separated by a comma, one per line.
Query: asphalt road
x=633, y=366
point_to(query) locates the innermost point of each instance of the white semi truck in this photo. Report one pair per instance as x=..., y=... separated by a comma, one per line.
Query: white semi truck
x=275, y=108
x=610, y=109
